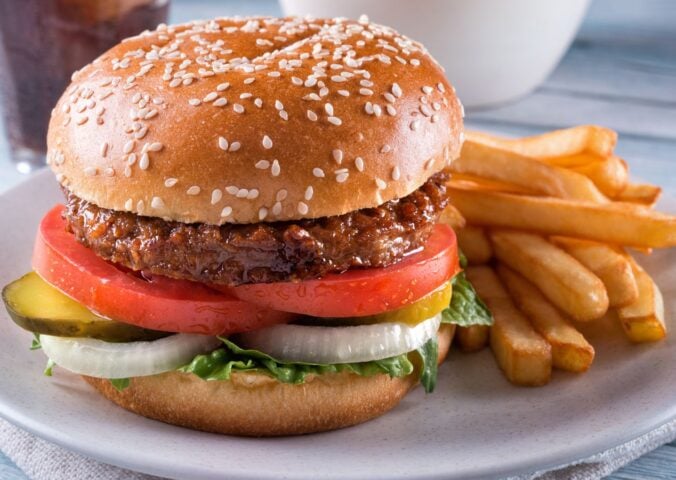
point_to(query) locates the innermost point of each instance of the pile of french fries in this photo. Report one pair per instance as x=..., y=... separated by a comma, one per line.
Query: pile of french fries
x=545, y=223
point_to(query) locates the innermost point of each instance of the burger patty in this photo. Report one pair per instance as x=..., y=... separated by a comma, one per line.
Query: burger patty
x=235, y=254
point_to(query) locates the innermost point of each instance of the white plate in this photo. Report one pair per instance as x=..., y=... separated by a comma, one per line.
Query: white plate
x=475, y=425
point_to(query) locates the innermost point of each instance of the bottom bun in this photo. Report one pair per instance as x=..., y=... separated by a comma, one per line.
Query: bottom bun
x=253, y=404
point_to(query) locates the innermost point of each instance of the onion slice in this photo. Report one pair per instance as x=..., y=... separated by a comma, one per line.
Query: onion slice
x=326, y=345
x=96, y=358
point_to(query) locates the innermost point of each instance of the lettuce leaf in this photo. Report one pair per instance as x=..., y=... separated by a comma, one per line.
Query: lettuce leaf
x=466, y=307
x=120, y=383
x=221, y=363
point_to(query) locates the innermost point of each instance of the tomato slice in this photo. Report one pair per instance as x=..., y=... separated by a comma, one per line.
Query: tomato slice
x=156, y=302
x=357, y=293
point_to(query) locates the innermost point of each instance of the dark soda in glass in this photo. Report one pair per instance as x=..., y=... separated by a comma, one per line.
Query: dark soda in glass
x=42, y=42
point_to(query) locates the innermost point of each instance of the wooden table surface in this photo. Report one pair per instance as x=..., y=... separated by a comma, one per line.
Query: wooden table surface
x=620, y=72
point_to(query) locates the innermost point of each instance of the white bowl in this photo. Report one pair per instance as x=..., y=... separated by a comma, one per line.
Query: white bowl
x=493, y=50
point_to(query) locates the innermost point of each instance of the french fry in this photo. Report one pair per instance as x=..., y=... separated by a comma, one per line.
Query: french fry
x=620, y=224
x=641, y=193
x=506, y=166
x=523, y=355
x=480, y=183
x=563, y=280
x=471, y=339
x=643, y=321
x=611, y=266
x=558, y=143
x=609, y=174
x=570, y=350
x=474, y=243
x=452, y=217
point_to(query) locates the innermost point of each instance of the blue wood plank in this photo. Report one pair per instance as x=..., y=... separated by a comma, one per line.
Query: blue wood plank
x=9, y=471
x=658, y=464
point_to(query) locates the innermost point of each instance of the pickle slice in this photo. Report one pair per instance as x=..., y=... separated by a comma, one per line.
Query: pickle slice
x=412, y=314
x=38, y=307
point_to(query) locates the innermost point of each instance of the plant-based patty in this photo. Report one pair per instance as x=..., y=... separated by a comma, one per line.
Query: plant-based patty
x=234, y=254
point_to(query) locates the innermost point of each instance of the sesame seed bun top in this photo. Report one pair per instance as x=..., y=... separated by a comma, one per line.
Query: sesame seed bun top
x=255, y=119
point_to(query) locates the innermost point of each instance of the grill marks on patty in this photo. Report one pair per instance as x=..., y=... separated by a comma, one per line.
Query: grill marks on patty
x=235, y=254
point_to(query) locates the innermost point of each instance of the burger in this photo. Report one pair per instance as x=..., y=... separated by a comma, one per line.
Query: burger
x=251, y=239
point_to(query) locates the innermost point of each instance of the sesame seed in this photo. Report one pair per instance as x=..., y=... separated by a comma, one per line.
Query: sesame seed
x=415, y=62
x=127, y=171
x=435, y=118
x=381, y=184
x=150, y=114
x=82, y=120
x=210, y=96
x=385, y=149
x=262, y=213
x=296, y=81
x=140, y=206
x=253, y=194
x=426, y=110
x=129, y=146
x=238, y=108
x=245, y=95
x=279, y=105
x=338, y=78
x=344, y=93
x=90, y=171
x=440, y=87
x=226, y=212
x=368, y=108
x=312, y=96
x=267, y=142
x=232, y=190
x=396, y=173
x=104, y=149
x=415, y=124
x=366, y=91
x=275, y=169
x=144, y=163
x=312, y=116
x=436, y=106
x=157, y=203
x=220, y=102
x=390, y=110
x=303, y=208
x=222, y=86
x=128, y=205
x=277, y=208
x=338, y=156
x=194, y=102
x=377, y=111
x=262, y=164
x=155, y=147
x=223, y=143
x=249, y=81
x=274, y=74
x=175, y=82
x=318, y=172
x=328, y=108
x=309, y=192
x=359, y=164
x=170, y=182
x=281, y=195
x=335, y=120
x=342, y=177
x=324, y=91
x=396, y=90
x=429, y=163
x=234, y=146
x=284, y=115
x=216, y=196
x=194, y=190
x=427, y=89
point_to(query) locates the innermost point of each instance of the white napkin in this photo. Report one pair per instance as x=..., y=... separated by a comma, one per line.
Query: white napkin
x=41, y=460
